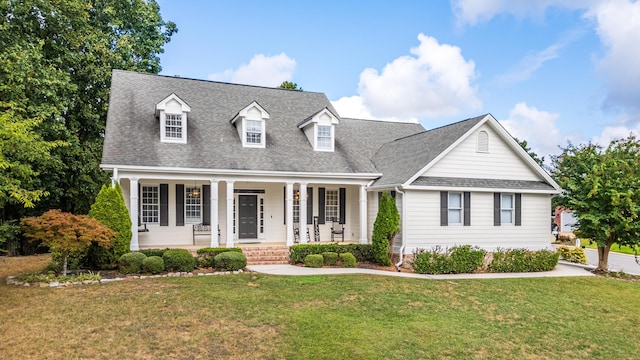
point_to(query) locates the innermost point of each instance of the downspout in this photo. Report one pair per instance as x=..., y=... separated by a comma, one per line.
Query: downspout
x=402, y=231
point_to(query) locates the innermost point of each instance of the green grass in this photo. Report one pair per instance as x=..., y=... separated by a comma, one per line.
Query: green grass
x=614, y=248
x=255, y=316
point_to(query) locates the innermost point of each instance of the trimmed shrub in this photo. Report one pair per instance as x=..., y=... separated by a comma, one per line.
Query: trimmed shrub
x=385, y=229
x=455, y=260
x=230, y=261
x=574, y=255
x=523, y=260
x=110, y=209
x=347, y=260
x=131, y=263
x=314, y=260
x=330, y=258
x=178, y=260
x=154, y=252
x=206, y=255
x=153, y=264
x=362, y=252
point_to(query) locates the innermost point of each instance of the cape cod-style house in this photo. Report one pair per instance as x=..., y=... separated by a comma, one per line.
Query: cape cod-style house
x=274, y=166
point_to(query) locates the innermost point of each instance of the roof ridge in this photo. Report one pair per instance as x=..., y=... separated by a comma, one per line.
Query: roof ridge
x=178, y=77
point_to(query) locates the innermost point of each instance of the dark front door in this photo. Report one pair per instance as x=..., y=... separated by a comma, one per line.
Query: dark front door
x=248, y=216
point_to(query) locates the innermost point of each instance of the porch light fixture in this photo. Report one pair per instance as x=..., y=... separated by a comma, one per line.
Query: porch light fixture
x=196, y=191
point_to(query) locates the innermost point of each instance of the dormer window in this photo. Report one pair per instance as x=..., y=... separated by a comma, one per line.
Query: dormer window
x=172, y=112
x=320, y=130
x=251, y=125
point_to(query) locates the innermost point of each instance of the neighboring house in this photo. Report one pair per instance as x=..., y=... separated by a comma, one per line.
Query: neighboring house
x=566, y=221
x=258, y=163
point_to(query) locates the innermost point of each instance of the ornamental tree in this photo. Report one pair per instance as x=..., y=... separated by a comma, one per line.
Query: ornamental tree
x=385, y=229
x=110, y=209
x=602, y=188
x=66, y=233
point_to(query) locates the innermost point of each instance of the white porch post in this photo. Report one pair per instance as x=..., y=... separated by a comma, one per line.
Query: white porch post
x=289, y=220
x=363, y=215
x=229, y=214
x=133, y=213
x=214, y=213
x=303, y=213
x=114, y=177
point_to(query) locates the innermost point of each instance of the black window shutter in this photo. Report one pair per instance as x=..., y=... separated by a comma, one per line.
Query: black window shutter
x=309, y=205
x=393, y=194
x=284, y=197
x=164, y=204
x=320, y=205
x=496, y=209
x=206, y=204
x=179, y=204
x=139, y=201
x=467, y=208
x=518, y=219
x=342, y=196
x=379, y=197
x=444, y=208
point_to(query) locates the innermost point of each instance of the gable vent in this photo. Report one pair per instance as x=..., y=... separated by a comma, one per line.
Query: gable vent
x=483, y=141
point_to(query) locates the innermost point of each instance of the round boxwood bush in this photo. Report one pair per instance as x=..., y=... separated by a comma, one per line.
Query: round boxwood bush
x=330, y=258
x=230, y=261
x=131, y=263
x=348, y=260
x=153, y=264
x=178, y=260
x=314, y=260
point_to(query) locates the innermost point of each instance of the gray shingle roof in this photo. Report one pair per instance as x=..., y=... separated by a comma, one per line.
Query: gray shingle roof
x=401, y=159
x=132, y=134
x=482, y=183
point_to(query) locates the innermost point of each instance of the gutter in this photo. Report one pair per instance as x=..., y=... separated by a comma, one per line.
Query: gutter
x=403, y=219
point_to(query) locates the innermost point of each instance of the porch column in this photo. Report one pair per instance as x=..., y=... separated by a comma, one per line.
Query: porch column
x=289, y=220
x=303, y=213
x=133, y=213
x=229, y=214
x=214, y=213
x=114, y=177
x=363, y=215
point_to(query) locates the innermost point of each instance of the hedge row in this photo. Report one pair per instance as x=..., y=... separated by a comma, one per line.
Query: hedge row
x=330, y=258
x=157, y=260
x=362, y=252
x=466, y=259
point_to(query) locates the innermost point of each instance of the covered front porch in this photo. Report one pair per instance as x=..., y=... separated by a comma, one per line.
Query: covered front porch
x=194, y=211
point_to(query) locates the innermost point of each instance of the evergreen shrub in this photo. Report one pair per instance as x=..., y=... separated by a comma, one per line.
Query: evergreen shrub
x=131, y=263
x=330, y=258
x=178, y=260
x=153, y=264
x=523, y=260
x=314, y=261
x=230, y=261
x=362, y=252
x=347, y=260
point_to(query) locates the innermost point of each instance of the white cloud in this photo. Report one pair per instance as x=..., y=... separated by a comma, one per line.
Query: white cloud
x=435, y=80
x=262, y=71
x=618, y=26
x=537, y=127
x=353, y=107
x=615, y=132
x=472, y=12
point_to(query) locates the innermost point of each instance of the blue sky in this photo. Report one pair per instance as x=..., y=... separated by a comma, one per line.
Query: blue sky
x=551, y=71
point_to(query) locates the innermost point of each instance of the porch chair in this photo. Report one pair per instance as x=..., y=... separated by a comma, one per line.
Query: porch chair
x=142, y=227
x=296, y=235
x=336, y=229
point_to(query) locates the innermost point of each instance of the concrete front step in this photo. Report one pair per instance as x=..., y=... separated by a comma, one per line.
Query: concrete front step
x=263, y=255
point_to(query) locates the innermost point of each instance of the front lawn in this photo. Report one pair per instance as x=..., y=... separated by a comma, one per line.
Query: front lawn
x=614, y=248
x=255, y=316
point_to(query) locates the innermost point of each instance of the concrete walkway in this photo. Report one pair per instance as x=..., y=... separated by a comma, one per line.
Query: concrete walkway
x=562, y=269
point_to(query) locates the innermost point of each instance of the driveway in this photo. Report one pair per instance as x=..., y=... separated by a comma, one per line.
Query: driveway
x=617, y=262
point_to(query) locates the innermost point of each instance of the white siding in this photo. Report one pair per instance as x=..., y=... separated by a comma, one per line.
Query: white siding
x=500, y=162
x=424, y=230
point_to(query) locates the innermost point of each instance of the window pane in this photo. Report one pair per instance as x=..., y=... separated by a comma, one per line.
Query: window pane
x=331, y=205
x=173, y=126
x=507, y=201
x=455, y=216
x=254, y=131
x=149, y=205
x=506, y=217
x=324, y=137
x=455, y=200
x=192, y=204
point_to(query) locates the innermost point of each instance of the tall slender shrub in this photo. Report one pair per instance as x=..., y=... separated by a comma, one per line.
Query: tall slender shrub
x=385, y=229
x=110, y=209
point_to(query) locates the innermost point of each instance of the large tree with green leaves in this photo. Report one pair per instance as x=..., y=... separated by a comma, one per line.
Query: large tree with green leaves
x=602, y=188
x=56, y=59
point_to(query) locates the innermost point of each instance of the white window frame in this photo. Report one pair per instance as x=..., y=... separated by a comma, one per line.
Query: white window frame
x=247, y=132
x=180, y=127
x=192, y=204
x=331, y=210
x=454, y=209
x=149, y=211
x=319, y=144
x=510, y=210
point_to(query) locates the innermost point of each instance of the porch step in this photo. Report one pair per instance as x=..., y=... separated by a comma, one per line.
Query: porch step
x=265, y=255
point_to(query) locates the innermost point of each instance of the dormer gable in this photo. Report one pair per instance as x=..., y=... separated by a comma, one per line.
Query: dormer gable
x=250, y=123
x=320, y=130
x=172, y=113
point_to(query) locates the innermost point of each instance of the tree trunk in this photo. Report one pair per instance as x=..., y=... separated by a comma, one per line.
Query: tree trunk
x=603, y=258
x=64, y=266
